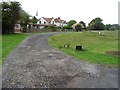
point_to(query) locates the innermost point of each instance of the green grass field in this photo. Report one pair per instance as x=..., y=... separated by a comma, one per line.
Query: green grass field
x=9, y=42
x=95, y=46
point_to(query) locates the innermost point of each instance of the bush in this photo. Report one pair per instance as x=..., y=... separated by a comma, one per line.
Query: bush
x=67, y=27
x=51, y=27
x=78, y=27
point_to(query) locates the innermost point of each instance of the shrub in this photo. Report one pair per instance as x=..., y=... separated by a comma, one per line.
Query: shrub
x=67, y=27
x=51, y=27
x=78, y=27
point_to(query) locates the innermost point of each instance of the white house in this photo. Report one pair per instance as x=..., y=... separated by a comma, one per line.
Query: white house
x=51, y=22
x=44, y=20
x=60, y=22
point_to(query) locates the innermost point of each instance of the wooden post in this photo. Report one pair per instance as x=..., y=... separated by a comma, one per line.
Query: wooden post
x=79, y=48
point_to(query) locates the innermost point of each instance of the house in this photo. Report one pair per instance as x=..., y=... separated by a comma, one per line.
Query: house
x=51, y=22
x=60, y=22
x=46, y=21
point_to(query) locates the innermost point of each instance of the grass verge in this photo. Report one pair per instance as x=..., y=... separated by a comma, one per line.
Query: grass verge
x=9, y=42
x=95, y=46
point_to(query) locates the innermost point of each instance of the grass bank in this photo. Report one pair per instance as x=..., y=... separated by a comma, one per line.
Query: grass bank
x=9, y=42
x=95, y=46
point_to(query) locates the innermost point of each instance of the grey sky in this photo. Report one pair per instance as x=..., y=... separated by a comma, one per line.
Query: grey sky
x=79, y=10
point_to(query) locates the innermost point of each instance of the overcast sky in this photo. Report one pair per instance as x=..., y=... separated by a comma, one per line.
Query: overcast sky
x=79, y=10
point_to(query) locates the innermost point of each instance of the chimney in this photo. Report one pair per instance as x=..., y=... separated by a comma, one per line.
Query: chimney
x=58, y=17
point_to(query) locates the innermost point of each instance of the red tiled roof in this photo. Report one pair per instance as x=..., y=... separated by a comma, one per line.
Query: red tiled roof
x=56, y=20
x=59, y=20
x=48, y=19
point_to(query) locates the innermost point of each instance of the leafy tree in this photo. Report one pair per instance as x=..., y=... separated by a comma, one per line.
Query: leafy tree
x=79, y=27
x=24, y=20
x=10, y=15
x=34, y=20
x=71, y=22
x=107, y=27
x=84, y=25
x=112, y=27
x=117, y=26
x=96, y=24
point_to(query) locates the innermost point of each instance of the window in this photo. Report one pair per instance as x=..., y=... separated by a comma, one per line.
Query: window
x=40, y=22
x=53, y=22
x=44, y=22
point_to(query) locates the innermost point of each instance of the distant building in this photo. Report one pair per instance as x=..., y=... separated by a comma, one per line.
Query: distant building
x=60, y=22
x=51, y=22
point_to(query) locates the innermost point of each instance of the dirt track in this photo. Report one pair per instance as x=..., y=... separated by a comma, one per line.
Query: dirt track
x=35, y=64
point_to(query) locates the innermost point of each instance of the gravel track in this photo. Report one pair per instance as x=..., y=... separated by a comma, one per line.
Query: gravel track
x=35, y=64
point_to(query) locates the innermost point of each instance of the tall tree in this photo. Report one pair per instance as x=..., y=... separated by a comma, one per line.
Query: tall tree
x=79, y=27
x=71, y=22
x=34, y=20
x=96, y=24
x=24, y=20
x=83, y=23
x=10, y=15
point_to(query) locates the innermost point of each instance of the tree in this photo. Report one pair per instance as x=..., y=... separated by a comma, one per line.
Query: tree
x=24, y=20
x=71, y=22
x=96, y=24
x=10, y=15
x=34, y=20
x=112, y=27
x=107, y=26
x=84, y=25
x=79, y=27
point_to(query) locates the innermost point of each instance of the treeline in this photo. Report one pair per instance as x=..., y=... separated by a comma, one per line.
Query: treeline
x=13, y=13
x=112, y=27
x=95, y=24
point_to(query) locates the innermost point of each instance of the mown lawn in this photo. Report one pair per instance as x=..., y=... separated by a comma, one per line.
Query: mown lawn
x=9, y=42
x=94, y=46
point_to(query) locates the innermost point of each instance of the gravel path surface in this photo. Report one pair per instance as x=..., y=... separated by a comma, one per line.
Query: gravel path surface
x=35, y=64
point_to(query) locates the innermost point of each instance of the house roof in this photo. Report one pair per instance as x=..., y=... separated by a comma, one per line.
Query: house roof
x=59, y=20
x=56, y=20
x=48, y=19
